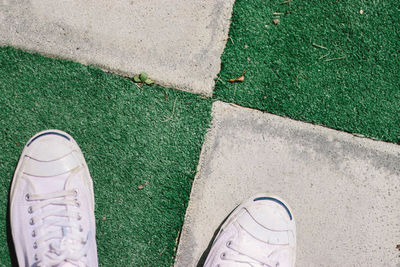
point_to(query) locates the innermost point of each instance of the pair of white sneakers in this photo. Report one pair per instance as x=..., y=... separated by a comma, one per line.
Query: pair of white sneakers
x=53, y=224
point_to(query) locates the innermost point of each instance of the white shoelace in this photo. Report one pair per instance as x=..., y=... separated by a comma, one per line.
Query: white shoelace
x=58, y=235
x=237, y=254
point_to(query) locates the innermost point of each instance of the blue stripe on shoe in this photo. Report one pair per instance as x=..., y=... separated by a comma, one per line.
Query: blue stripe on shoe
x=277, y=201
x=48, y=133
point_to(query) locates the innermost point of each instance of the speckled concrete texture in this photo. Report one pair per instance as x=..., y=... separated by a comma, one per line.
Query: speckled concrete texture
x=178, y=43
x=344, y=190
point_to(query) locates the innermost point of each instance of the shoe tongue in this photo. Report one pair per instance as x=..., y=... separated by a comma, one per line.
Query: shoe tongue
x=46, y=185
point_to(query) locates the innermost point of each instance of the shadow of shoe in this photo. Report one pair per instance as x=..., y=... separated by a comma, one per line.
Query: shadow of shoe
x=207, y=251
x=11, y=248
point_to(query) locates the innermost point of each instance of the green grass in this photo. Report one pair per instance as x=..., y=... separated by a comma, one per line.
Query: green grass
x=128, y=135
x=353, y=85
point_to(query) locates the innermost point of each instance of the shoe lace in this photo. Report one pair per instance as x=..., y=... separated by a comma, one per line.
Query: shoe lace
x=58, y=235
x=238, y=253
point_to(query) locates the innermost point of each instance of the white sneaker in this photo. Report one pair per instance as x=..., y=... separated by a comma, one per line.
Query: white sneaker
x=52, y=204
x=259, y=232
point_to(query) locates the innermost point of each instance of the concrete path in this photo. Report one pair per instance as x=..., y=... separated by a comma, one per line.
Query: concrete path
x=178, y=43
x=344, y=190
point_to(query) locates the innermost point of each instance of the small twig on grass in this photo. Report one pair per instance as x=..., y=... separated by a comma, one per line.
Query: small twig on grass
x=223, y=82
x=277, y=13
x=319, y=46
x=219, y=79
x=358, y=135
x=324, y=56
x=230, y=38
x=173, y=111
x=297, y=78
x=336, y=58
x=286, y=2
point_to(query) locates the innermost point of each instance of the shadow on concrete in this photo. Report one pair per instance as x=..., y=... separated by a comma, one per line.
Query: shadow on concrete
x=207, y=251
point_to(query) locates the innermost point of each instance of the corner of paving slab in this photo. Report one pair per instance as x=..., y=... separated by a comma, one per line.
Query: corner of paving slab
x=343, y=189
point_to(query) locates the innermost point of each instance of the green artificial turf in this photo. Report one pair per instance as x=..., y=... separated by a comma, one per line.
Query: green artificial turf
x=129, y=135
x=348, y=80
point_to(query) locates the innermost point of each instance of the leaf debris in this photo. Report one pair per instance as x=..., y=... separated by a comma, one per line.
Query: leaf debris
x=141, y=186
x=142, y=78
x=239, y=79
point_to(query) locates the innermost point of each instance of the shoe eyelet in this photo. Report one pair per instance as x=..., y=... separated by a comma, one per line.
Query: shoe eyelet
x=76, y=192
x=36, y=257
x=27, y=197
x=229, y=243
x=31, y=221
x=77, y=204
x=79, y=217
x=30, y=210
x=223, y=256
x=80, y=228
x=33, y=233
x=34, y=245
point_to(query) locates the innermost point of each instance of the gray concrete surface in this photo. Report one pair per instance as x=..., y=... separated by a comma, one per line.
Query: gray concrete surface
x=344, y=190
x=178, y=43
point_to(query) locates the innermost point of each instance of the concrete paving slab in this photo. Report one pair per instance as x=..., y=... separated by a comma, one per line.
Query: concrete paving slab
x=344, y=190
x=178, y=43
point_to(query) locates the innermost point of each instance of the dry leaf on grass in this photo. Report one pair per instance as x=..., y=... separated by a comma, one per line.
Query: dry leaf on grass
x=141, y=186
x=235, y=80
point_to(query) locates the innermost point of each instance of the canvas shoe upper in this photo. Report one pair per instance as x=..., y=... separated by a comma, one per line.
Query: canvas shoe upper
x=52, y=204
x=259, y=232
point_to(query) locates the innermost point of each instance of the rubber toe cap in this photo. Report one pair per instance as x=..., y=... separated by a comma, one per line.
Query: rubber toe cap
x=49, y=146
